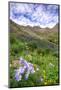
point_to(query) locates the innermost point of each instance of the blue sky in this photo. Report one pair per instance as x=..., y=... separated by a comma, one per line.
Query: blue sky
x=42, y=15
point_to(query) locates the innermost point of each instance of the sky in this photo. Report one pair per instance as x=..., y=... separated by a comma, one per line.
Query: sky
x=42, y=15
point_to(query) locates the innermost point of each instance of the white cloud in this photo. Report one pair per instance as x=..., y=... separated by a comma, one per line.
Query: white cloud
x=34, y=14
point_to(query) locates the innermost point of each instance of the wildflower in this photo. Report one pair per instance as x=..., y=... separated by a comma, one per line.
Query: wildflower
x=51, y=65
x=23, y=62
x=31, y=68
x=18, y=76
x=44, y=76
x=27, y=75
x=41, y=79
x=37, y=69
x=22, y=70
x=29, y=57
x=45, y=83
x=50, y=80
x=10, y=65
x=21, y=58
x=26, y=68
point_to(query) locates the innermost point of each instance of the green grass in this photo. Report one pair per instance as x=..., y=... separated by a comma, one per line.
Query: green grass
x=41, y=53
x=39, y=57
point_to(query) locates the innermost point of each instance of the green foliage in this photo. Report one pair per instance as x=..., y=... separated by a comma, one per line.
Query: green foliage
x=39, y=57
x=41, y=53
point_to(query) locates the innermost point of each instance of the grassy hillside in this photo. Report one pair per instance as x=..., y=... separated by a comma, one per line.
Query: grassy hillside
x=36, y=32
x=39, y=47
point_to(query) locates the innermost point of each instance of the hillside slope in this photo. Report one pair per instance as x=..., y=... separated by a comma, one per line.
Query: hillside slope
x=46, y=38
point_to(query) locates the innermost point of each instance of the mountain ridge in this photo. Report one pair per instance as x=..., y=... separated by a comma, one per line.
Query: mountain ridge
x=28, y=26
x=35, y=31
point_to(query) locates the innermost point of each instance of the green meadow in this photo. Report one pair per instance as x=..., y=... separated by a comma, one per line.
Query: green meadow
x=39, y=47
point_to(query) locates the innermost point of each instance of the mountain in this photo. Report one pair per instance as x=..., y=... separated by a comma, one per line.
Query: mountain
x=37, y=32
x=43, y=37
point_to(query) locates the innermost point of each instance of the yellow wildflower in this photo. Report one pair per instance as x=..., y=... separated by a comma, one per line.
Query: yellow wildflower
x=44, y=76
x=45, y=83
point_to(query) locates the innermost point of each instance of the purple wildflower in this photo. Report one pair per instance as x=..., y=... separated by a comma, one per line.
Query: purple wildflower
x=21, y=70
x=27, y=75
x=18, y=76
x=26, y=69
x=24, y=62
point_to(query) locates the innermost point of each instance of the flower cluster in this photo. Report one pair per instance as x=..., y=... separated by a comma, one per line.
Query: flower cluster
x=25, y=69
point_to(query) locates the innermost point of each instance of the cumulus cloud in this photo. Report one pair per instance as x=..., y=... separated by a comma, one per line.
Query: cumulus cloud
x=42, y=15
